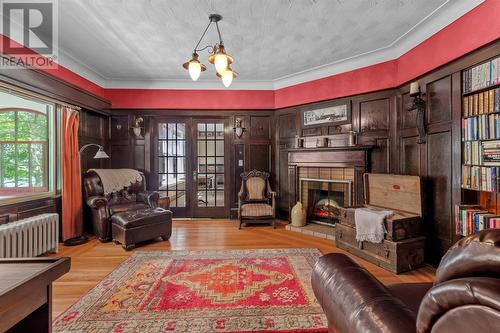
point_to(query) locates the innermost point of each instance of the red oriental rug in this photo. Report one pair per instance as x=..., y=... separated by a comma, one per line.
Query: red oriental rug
x=202, y=291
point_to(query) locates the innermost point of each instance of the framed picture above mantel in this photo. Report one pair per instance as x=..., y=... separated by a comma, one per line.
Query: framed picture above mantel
x=336, y=114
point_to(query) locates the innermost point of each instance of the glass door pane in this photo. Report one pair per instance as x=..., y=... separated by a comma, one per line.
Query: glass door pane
x=172, y=162
x=210, y=164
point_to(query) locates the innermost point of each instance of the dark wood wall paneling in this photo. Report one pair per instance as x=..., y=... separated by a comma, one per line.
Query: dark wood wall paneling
x=93, y=128
x=372, y=118
x=254, y=148
x=14, y=212
x=381, y=119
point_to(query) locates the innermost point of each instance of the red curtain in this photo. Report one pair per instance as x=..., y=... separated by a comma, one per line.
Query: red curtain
x=71, y=187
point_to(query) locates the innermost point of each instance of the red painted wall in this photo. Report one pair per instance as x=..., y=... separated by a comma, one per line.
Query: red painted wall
x=191, y=99
x=358, y=81
x=471, y=31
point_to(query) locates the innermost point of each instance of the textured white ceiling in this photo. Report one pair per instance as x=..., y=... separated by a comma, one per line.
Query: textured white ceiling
x=148, y=40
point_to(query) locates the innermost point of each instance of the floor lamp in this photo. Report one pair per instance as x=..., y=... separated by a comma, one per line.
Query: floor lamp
x=99, y=155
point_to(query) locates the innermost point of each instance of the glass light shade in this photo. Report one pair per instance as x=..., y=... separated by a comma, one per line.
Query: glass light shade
x=414, y=88
x=238, y=131
x=137, y=131
x=227, y=77
x=220, y=62
x=194, y=70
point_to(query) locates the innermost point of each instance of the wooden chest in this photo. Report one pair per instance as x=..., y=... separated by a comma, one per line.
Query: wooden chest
x=397, y=257
x=403, y=247
x=398, y=193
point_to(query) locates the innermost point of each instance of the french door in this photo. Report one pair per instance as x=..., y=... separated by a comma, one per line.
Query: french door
x=191, y=163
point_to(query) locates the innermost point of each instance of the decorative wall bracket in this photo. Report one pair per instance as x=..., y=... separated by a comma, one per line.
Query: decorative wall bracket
x=138, y=127
x=238, y=128
x=418, y=104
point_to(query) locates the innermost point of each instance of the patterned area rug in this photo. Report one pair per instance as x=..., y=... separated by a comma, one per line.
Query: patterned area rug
x=202, y=291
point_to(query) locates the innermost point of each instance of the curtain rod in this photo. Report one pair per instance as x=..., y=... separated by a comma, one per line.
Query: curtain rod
x=29, y=94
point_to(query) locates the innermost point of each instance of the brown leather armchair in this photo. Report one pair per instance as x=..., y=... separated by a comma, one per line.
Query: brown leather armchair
x=256, y=200
x=465, y=296
x=102, y=207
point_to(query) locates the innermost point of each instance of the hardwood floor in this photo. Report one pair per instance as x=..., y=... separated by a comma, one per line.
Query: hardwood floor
x=92, y=261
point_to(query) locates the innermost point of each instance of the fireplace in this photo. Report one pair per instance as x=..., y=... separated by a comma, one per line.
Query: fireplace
x=322, y=198
x=324, y=178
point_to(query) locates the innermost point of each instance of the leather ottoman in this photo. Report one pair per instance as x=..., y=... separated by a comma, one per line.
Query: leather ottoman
x=131, y=227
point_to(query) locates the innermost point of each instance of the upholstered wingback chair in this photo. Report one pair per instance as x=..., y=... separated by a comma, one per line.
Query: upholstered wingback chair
x=256, y=200
x=465, y=295
x=127, y=191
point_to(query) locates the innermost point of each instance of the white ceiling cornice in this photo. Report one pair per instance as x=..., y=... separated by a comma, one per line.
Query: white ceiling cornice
x=189, y=85
x=443, y=16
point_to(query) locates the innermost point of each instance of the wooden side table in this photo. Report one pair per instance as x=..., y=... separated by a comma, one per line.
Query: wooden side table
x=26, y=293
x=164, y=202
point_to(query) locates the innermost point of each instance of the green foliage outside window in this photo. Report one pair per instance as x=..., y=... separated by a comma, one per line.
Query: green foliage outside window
x=23, y=148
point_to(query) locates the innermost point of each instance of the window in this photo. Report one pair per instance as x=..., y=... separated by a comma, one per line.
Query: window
x=172, y=162
x=27, y=160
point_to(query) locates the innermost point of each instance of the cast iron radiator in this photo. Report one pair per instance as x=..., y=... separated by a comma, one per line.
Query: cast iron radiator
x=30, y=237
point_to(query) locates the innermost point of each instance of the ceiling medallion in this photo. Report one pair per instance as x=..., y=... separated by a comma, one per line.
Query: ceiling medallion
x=218, y=57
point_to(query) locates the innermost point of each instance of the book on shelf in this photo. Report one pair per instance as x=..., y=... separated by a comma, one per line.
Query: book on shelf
x=481, y=103
x=470, y=219
x=481, y=178
x=472, y=153
x=481, y=76
x=483, y=127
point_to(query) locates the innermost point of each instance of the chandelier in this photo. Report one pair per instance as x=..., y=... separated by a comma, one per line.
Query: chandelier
x=218, y=57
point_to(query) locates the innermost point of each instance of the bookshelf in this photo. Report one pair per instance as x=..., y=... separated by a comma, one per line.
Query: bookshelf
x=480, y=147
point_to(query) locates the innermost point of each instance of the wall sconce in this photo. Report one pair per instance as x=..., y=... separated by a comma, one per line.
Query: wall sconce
x=138, y=126
x=418, y=104
x=239, y=129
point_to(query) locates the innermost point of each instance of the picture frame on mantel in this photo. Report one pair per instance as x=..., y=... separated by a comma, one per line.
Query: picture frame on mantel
x=333, y=114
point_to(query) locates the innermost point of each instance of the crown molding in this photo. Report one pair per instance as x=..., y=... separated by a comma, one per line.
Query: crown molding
x=443, y=16
x=78, y=67
x=187, y=85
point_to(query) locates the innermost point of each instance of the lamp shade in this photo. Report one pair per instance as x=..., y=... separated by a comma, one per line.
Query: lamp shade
x=220, y=62
x=194, y=70
x=220, y=59
x=194, y=67
x=227, y=76
x=100, y=154
x=414, y=88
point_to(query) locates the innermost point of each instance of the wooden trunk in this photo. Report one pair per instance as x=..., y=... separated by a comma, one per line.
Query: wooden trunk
x=398, y=193
x=397, y=257
x=400, y=226
x=402, y=249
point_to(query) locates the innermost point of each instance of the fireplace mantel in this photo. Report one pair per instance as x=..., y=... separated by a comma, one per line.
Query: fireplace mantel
x=334, y=148
x=340, y=157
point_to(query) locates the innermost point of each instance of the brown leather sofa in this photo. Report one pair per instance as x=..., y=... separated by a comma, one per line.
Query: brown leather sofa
x=103, y=207
x=465, y=296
